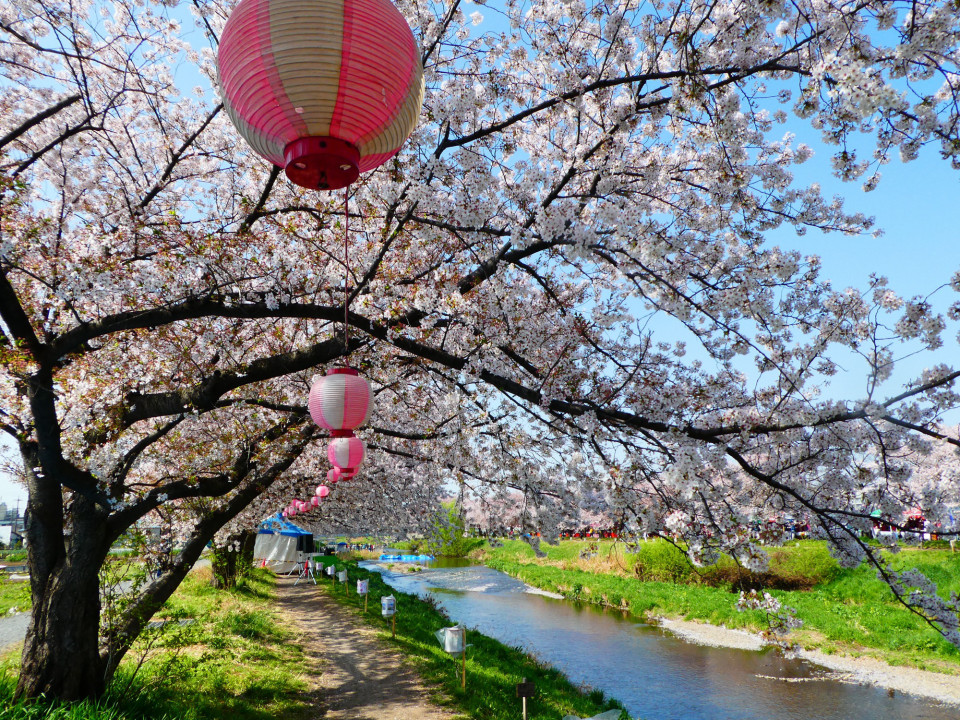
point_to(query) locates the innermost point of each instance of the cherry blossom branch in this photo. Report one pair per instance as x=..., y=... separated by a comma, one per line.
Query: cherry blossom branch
x=37, y=119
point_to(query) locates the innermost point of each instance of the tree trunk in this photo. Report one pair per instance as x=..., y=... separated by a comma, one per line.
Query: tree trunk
x=232, y=561
x=248, y=540
x=223, y=563
x=61, y=651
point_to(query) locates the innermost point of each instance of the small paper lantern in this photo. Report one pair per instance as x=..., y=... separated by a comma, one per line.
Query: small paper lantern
x=333, y=476
x=322, y=491
x=331, y=569
x=363, y=587
x=345, y=453
x=452, y=639
x=326, y=89
x=388, y=606
x=340, y=400
x=342, y=576
x=314, y=501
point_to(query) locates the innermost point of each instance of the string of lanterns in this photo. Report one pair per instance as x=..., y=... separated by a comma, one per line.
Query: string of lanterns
x=297, y=507
x=326, y=90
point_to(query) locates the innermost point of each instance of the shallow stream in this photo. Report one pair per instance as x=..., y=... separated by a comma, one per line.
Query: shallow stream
x=654, y=674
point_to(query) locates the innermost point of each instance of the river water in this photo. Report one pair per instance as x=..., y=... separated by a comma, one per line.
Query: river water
x=654, y=674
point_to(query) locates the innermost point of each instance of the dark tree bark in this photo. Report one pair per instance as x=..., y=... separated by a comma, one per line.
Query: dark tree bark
x=61, y=654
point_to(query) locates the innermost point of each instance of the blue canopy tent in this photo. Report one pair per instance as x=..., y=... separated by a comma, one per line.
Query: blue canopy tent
x=276, y=544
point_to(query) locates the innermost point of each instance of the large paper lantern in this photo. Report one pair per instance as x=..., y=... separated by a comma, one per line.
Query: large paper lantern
x=340, y=400
x=326, y=89
x=345, y=453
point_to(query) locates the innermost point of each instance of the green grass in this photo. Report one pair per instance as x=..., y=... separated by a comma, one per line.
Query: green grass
x=846, y=611
x=493, y=669
x=14, y=594
x=235, y=661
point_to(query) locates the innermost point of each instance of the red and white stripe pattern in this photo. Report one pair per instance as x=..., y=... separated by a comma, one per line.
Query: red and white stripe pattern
x=347, y=70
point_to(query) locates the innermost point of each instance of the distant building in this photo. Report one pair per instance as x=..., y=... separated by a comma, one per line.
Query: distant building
x=11, y=525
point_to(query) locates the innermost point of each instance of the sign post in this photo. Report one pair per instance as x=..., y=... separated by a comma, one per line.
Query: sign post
x=525, y=690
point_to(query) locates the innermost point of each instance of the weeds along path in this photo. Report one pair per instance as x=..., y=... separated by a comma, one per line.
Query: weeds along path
x=360, y=678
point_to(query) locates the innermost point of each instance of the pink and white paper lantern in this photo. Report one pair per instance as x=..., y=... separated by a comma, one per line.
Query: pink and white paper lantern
x=340, y=400
x=346, y=453
x=322, y=491
x=326, y=89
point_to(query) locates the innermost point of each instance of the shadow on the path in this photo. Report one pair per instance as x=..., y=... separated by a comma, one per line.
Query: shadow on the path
x=361, y=679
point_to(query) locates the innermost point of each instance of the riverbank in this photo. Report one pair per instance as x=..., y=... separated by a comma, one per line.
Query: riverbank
x=851, y=623
x=857, y=670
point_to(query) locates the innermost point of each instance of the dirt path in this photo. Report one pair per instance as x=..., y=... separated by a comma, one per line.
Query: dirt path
x=361, y=677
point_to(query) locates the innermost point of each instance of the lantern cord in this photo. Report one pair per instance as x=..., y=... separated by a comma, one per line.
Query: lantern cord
x=346, y=272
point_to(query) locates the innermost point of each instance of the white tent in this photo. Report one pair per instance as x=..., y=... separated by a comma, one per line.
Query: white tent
x=276, y=545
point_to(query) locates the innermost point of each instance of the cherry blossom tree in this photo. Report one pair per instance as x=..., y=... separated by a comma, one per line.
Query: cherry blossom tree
x=581, y=168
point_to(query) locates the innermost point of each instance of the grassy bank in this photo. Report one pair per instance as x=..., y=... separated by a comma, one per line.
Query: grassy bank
x=493, y=669
x=844, y=611
x=231, y=657
x=14, y=596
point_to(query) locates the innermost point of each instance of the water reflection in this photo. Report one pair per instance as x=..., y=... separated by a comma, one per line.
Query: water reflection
x=656, y=675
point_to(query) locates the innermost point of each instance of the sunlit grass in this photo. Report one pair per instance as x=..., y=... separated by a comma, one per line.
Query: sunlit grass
x=234, y=660
x=14, y=596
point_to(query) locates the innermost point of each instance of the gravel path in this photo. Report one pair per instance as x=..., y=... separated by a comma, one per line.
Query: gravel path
x=358, y=677
x=13, y=628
